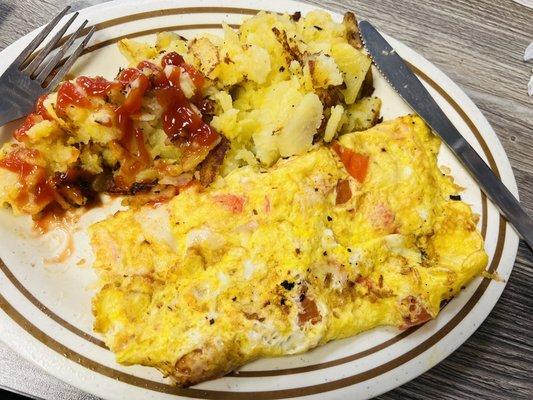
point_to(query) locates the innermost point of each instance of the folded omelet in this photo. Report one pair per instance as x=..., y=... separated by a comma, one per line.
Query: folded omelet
x=272, y=262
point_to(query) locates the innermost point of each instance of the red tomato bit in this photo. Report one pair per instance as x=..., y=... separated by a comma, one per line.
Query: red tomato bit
x=230, y=202
x=356, y=164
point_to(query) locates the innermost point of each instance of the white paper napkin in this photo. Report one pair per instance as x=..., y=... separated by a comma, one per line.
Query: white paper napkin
x=528, y=56
x=527, y=3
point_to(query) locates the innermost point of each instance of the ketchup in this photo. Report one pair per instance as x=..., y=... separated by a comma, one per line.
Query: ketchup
x=41, y=110
x=21, y=133
x=97, y=87
x=68, y=95
x=127, y=75
x=181, y=121
x=132, y=105
x=19, y=162
x=39, y=115
x=177, y=60
x=158, y=78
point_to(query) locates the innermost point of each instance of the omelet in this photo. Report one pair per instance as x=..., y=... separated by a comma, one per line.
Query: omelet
x=277, y=261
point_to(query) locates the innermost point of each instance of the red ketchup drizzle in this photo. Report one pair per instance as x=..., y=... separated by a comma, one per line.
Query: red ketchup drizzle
x=158, y=78
x=41, y=110
x=21, y=133
x=179, y=120
x=18, y=162
x=137, y=156
x=39, y=115
x=68, y=95
x=96, y=87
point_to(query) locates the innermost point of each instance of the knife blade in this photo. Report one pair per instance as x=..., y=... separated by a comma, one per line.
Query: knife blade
x=409, y=87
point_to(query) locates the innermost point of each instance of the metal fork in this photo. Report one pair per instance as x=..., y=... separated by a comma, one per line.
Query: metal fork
x=27, y=78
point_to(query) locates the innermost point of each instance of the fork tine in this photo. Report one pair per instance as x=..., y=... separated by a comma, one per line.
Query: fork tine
x=43, y=74
x=68, y=64
x=19, y=61
x=36, y=62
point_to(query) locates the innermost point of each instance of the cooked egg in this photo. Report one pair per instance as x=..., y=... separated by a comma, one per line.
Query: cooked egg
x=211, y=295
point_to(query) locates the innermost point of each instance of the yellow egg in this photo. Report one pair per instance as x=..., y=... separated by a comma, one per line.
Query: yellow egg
x=274, y=262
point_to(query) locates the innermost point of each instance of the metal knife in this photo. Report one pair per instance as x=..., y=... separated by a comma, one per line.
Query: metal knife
x=405, y=82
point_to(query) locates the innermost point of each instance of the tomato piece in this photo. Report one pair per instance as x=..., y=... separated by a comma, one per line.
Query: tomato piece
x=356, y=164
x=266, y=205
x=231, y=202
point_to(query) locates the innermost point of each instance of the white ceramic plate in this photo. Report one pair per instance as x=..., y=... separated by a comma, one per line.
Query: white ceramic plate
x=45, y=308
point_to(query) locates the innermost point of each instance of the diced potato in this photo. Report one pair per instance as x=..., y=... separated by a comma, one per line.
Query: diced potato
x=362, y=115
x=135, y=51
x=147, y=175
x=279, y=100
x=231, y=37
x=318, y=26
x=254, y=63
x=86, y=127
x=224, y=100
x=296, y=137
x=170, y=41
x=227, y=123
x=91, y=161
x=266, y=146
x=57, y=155
x=325, y=72
x=9, y=189
x=44, y=130
x=162, y=147
x=334, y=122
x=206, y=53
x=263, y=78
x=354, y=65
x=227, y=75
